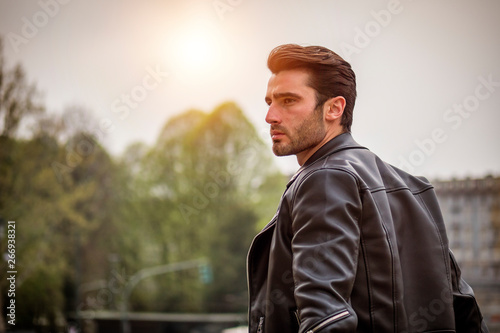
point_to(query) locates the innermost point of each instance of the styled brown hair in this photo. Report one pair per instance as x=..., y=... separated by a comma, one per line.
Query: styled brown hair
x=330, y=75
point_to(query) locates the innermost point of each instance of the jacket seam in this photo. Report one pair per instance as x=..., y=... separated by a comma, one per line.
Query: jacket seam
x=400, y=188
x=368, y=274
x=358, y=221
x=323, y=159
x=448, y=273
x=310, y=172
x=302, y=177
x=393, y=286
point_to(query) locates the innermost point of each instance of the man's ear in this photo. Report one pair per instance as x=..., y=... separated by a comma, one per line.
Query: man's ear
x=334, y=108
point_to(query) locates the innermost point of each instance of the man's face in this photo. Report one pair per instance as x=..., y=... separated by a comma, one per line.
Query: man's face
x=297, y=128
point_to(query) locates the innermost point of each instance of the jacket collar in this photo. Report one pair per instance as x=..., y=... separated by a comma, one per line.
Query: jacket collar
x=338, y=143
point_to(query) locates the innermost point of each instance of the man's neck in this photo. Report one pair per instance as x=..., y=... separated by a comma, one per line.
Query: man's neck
x=303, y=156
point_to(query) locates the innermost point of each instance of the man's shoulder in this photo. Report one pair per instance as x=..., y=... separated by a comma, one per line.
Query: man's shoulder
x=334, y=167
x=369, y=171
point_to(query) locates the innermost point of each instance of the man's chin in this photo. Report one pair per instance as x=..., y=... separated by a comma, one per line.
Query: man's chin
x=281, y=150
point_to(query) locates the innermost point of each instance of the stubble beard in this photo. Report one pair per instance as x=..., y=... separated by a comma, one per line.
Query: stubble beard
x=309, y=133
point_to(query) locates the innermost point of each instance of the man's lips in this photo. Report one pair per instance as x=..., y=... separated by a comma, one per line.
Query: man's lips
x=275, y=134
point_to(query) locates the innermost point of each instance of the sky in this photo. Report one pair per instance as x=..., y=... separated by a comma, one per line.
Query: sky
x=428, y=72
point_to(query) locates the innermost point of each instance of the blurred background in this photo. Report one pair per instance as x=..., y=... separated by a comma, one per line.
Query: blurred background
x=135, y=160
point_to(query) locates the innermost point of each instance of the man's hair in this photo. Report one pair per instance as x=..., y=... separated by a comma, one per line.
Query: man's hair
x=329, y=74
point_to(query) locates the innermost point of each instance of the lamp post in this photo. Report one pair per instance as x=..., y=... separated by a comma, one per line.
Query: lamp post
x=153, y=271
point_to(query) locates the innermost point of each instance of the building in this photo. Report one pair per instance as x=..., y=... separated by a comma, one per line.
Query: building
x=471, y=210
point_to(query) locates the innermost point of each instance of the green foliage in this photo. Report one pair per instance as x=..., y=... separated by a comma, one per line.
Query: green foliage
x=87, y=222
x=57, y=222
x=198, y=193
x=18, y=98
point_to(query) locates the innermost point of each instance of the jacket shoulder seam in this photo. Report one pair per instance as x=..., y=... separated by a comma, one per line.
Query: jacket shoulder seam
x=401, y=188
x=303, y=177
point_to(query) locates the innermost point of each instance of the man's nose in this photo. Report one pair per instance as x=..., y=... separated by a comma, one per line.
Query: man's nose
x=272, y=116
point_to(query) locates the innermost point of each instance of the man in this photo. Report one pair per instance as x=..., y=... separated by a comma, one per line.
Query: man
x=356, y=245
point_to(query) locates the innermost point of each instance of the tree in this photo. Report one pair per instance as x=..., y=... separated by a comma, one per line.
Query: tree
x=86, y=219
x=198, y=193
x=58, y=184
x=18, y=99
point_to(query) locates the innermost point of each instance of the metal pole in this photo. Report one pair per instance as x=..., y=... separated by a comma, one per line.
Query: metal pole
x=148, y=272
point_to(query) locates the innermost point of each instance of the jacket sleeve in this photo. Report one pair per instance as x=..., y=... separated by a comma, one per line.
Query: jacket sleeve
x=325, y=245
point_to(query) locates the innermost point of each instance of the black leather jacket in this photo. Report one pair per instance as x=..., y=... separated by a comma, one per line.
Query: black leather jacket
x=356, y=245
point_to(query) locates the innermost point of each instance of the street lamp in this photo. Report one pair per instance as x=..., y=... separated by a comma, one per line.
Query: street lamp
x=202, y=264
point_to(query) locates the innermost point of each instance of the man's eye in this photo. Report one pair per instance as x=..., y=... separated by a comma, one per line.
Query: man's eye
x=288, y=100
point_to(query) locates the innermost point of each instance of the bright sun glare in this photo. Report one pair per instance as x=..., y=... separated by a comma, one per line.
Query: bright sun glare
x=196, y=51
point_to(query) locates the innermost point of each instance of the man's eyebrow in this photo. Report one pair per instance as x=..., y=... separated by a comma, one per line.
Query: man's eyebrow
x=284, y=95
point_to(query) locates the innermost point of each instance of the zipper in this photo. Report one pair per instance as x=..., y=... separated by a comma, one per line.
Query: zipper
x=260, y=328
x=328, y=321
x=296, y=313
